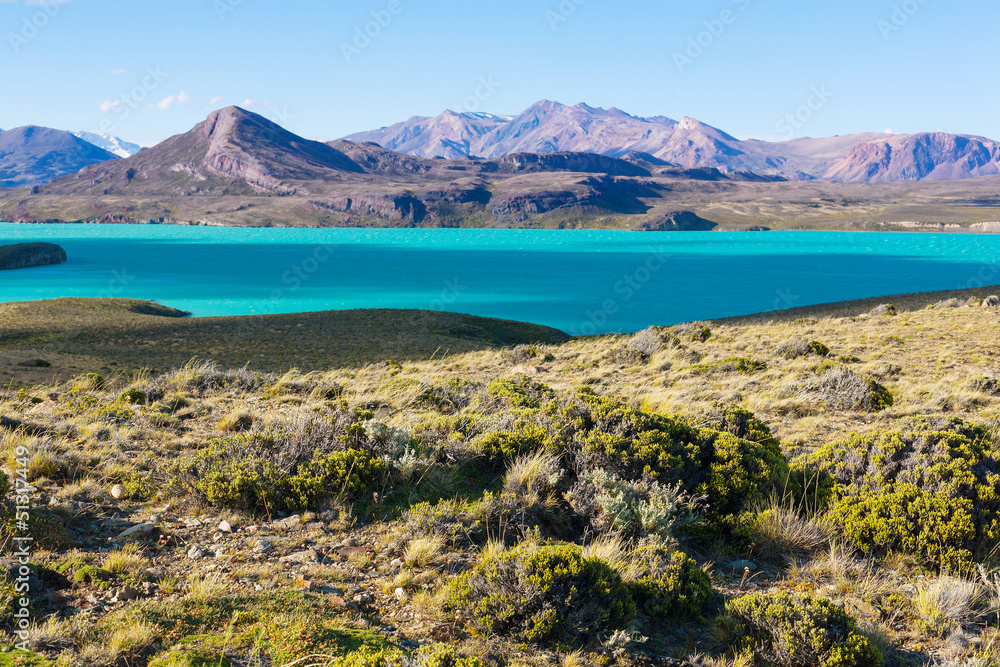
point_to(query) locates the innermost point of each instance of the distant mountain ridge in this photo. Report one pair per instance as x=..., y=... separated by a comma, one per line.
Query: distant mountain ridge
x=239, y=168
x=553, y=127
x=115, y=145
x=34, y=155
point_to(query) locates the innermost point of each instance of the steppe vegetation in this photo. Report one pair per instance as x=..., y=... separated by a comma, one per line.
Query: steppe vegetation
x=813, y=491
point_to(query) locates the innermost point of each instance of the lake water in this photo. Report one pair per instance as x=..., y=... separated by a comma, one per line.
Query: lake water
x=577, y=281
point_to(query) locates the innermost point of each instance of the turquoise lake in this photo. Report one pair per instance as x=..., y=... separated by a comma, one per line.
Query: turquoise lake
x=579, y=281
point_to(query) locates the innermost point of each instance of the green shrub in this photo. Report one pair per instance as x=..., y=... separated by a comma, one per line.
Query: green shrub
x=669, y=585
x=744, y=424
x=931, y=489
x=819, y=349
x=542, y=594
x=801, y=631
x=741, y=473
x=442, y=655
x=522, y=393
x=133, y=397
x=347, y=473
x=292, y=467
x=730, y=472
x=904, y=518
x=456, y=521
x=501, y=447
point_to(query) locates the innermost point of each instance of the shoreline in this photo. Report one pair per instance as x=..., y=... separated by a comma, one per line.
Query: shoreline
x=909, y=301
x=902, y=227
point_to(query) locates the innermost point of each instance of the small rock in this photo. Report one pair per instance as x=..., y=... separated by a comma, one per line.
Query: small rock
x=225, y=527
x=137, y=531
x=309, y=555
x=127, y=594
x=192, y=523
x=992, y=301
x=194, y=553
x=117, y=491
x=396, y=563
x=294, y=520
x=262, y=546
x=401, y=595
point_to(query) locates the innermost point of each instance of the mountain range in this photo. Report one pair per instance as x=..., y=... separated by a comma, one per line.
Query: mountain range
x=549, y=126
x=239, y=168
x=32, y=156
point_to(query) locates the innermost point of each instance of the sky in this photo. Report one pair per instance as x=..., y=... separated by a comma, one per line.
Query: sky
x=145, y=70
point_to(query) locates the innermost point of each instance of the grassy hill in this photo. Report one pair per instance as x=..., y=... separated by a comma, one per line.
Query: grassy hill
x=101, y=335
x=816, y=490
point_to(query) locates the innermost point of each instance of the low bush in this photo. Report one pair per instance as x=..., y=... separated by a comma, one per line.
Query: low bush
x=801, y=631
x=133, y=397
x=843, y=389
x=520, y=393
x=643, y=345
x=542, y=594
x=639, y=510
x=501, y=447
x=931, y=489
x=729, y=472
x=290, y=466
x=668, y=584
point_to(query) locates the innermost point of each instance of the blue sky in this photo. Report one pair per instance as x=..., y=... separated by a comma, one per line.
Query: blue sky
x=741, y=65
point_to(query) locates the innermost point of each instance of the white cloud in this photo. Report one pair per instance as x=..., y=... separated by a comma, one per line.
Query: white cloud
x=118, y=72
x=216, y=100
x=171, y=100
x=108, y=106
x=250, y=104
x=42, y=2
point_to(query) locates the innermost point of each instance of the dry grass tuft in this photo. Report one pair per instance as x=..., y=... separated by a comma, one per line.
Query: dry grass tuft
x=127, y=560
x=424, y=551
x=206, y=588
x=949, y=603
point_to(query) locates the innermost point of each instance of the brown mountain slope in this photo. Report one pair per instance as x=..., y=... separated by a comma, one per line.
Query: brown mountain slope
x=237, y=168
x=928, y=156
x=232, y=152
